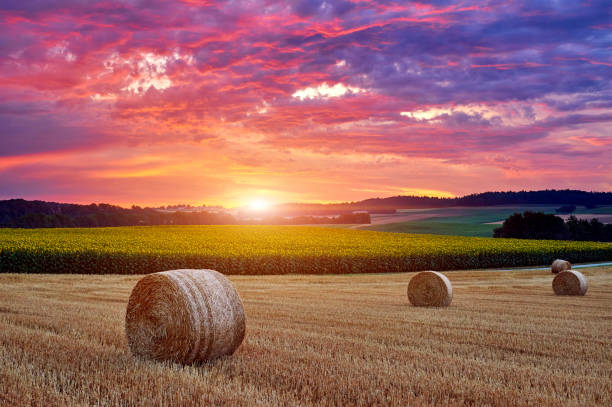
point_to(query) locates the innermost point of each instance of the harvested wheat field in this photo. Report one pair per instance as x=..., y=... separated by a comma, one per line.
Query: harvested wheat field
x=506, y=339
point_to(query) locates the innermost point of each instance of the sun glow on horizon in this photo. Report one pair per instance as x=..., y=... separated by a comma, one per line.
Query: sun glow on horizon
x=259, y=205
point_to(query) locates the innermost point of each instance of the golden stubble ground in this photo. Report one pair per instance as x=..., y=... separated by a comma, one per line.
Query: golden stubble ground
x=320, y=340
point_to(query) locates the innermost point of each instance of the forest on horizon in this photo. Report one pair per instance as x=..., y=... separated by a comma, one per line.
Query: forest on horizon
x=32, y=214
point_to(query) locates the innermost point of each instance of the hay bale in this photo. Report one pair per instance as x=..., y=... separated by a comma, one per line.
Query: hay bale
x=560, y=265
x=430, y=289
x=569, y=282
x=185, y=316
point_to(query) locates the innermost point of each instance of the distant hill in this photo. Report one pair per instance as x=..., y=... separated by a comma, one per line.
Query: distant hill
x=544, y=197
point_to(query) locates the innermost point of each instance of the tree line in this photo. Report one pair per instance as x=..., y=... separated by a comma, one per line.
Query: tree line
x=19, y=213
x=538, y=225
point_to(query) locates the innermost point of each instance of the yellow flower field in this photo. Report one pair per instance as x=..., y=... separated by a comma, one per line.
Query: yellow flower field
x=270, y=250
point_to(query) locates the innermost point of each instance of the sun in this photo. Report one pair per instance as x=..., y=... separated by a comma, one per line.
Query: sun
x=259, y=205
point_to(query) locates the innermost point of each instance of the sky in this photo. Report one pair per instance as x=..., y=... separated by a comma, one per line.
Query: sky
x=227, y=102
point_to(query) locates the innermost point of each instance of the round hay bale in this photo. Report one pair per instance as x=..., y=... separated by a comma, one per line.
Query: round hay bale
x=430, y=289
x=185, y=316
x=560, y=265
x=569, y=282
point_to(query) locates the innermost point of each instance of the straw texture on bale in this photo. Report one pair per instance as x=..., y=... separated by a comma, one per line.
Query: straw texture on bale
x=560, y=265
x=185, y=316
x=430, y=289
x=570, y=282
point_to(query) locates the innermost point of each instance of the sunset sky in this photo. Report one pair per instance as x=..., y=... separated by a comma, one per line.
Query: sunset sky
x=156, y=102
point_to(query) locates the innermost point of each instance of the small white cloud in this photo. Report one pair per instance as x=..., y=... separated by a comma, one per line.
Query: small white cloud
x=263, y=109
x=428, y=114
x=150, y=70
x=107, y=97
x=61, y=51
x=325, y=91
x=341, y=63
x=187, y=58
x=507, y=114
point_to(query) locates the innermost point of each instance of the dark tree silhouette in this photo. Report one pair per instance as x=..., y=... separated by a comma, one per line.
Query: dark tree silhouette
x=538, y=225
x=19, y=213
x=532, y=225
